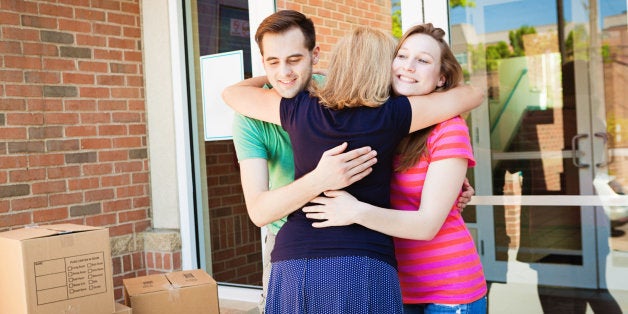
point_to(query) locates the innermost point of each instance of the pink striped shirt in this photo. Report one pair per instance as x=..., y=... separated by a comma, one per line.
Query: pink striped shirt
x=446, y=269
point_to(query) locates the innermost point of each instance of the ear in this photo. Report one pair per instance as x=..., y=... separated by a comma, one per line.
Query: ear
x=441, y=81
x=315, y=53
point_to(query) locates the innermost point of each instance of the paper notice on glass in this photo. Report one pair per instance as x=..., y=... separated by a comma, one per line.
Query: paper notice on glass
x=217, y=72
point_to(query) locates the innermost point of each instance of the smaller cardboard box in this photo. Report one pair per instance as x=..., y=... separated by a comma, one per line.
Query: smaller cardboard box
x=189, y=291
x=63, y=268
x=122, y=309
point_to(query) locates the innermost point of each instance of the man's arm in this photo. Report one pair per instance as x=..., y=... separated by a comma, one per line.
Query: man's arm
x=440, y=106
x=335, y=170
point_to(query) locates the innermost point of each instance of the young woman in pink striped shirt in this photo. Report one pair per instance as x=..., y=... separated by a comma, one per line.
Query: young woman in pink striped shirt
x=438, y=265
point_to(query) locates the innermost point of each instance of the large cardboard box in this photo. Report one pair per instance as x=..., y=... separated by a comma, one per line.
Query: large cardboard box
x=63, y=268
x=190, y=292
x=122, y=309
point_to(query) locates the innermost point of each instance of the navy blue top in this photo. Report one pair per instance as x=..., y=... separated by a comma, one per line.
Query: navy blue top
x=313, y=129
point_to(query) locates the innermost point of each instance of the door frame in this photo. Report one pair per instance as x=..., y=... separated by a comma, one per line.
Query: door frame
x=594, y=234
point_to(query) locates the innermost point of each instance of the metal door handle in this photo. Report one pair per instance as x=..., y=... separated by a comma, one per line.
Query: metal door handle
x=576, y=153
x=606, y=161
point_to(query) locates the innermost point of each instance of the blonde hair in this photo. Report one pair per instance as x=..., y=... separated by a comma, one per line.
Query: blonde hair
x=359, y=71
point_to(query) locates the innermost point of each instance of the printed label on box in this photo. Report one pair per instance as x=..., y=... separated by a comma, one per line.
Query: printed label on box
x=70, y=277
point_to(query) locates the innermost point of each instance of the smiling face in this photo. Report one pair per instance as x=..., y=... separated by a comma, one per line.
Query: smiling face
x=287, y=61
x=417, y=66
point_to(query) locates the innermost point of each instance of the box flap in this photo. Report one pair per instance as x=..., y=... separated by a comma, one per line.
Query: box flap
x=27, y=233
x=146, y=284
x=70, y=227
x=44, y=231
x=188, y=278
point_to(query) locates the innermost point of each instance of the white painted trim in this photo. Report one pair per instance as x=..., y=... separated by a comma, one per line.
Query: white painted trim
x=258, y=11
x=182, y=137
x=551, y=200
x=411, y=13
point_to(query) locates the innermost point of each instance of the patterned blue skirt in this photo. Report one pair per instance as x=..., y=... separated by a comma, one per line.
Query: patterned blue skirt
x=344, y=285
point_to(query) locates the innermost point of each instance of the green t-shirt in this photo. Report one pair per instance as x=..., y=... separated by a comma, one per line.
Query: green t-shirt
x=258, y=139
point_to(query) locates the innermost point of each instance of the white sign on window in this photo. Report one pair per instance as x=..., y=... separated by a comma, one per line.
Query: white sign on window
x=217, y=72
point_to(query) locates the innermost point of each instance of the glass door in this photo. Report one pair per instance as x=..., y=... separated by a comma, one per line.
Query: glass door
x=551, y=138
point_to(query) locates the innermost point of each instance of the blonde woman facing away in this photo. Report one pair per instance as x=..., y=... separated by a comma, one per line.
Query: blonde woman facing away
x=439, y=267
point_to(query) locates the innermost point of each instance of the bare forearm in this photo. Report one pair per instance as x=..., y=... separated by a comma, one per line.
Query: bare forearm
x=250, y=99
x=398, y=223
x=273, y=205
x=436, y=107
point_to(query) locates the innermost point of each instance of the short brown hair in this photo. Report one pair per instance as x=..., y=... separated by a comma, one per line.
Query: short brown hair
x=284, y=20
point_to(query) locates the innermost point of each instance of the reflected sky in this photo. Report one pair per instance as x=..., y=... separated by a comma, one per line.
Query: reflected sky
x=529, y=12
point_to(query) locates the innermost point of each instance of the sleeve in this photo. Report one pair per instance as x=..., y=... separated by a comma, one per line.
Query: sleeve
x=287, y=111
x=450, y=139
x=247, y=138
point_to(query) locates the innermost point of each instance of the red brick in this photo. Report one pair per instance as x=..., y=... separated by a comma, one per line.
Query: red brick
x=99, y=195
x=126, y=263
x=42, y=77
x=102, y=220
x=94, y=92
x=89, y=14
x=136, y=258
x=115, y=180
x=46, y=160
x=93, y=118
x=64, y=172
x=106, y=4
x=56, y=10
x=19, y=33
x=158, y=261
x=95, y=143
x=25, y=119
x=59, y=64
x=120, y=92
x=78, y=184
x=12, y=133
x=78, y=78
x=29, y=203
x=130, y=166
x=116, y=262
x=130, y=142
x=142, y=226
x=23, y=90
x=167, y=261
x=131, y=215
x=46, y=105
x=10, y=18
x=81, y=131
x=120, y=43
x=50, y=214
x=91, y=41
x=47, y=187
x=115, y=155
x=93, y=66
x=29, y=174
x=39, y=49
x=13, y=162
x=62, y=118
x=130, y=191
x=176, y=261
x=75, y=25
x=150, y=262
x=65, y=199
x=107, y=29
x=80, y=105
x=12, y=220
x=120, y=229
x=11, y=76
x=98, y=169
x=123, y=19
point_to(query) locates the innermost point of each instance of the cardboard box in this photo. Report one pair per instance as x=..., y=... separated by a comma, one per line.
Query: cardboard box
x=190, y=292
x=122, y=309
x=63, y=268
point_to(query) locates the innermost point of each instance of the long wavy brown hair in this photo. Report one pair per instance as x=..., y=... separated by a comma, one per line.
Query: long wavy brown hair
x=413, y=146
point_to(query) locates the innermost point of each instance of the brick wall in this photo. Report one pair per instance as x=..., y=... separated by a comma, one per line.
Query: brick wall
x=334, y=19
x=235, y=240
x=72, y=119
